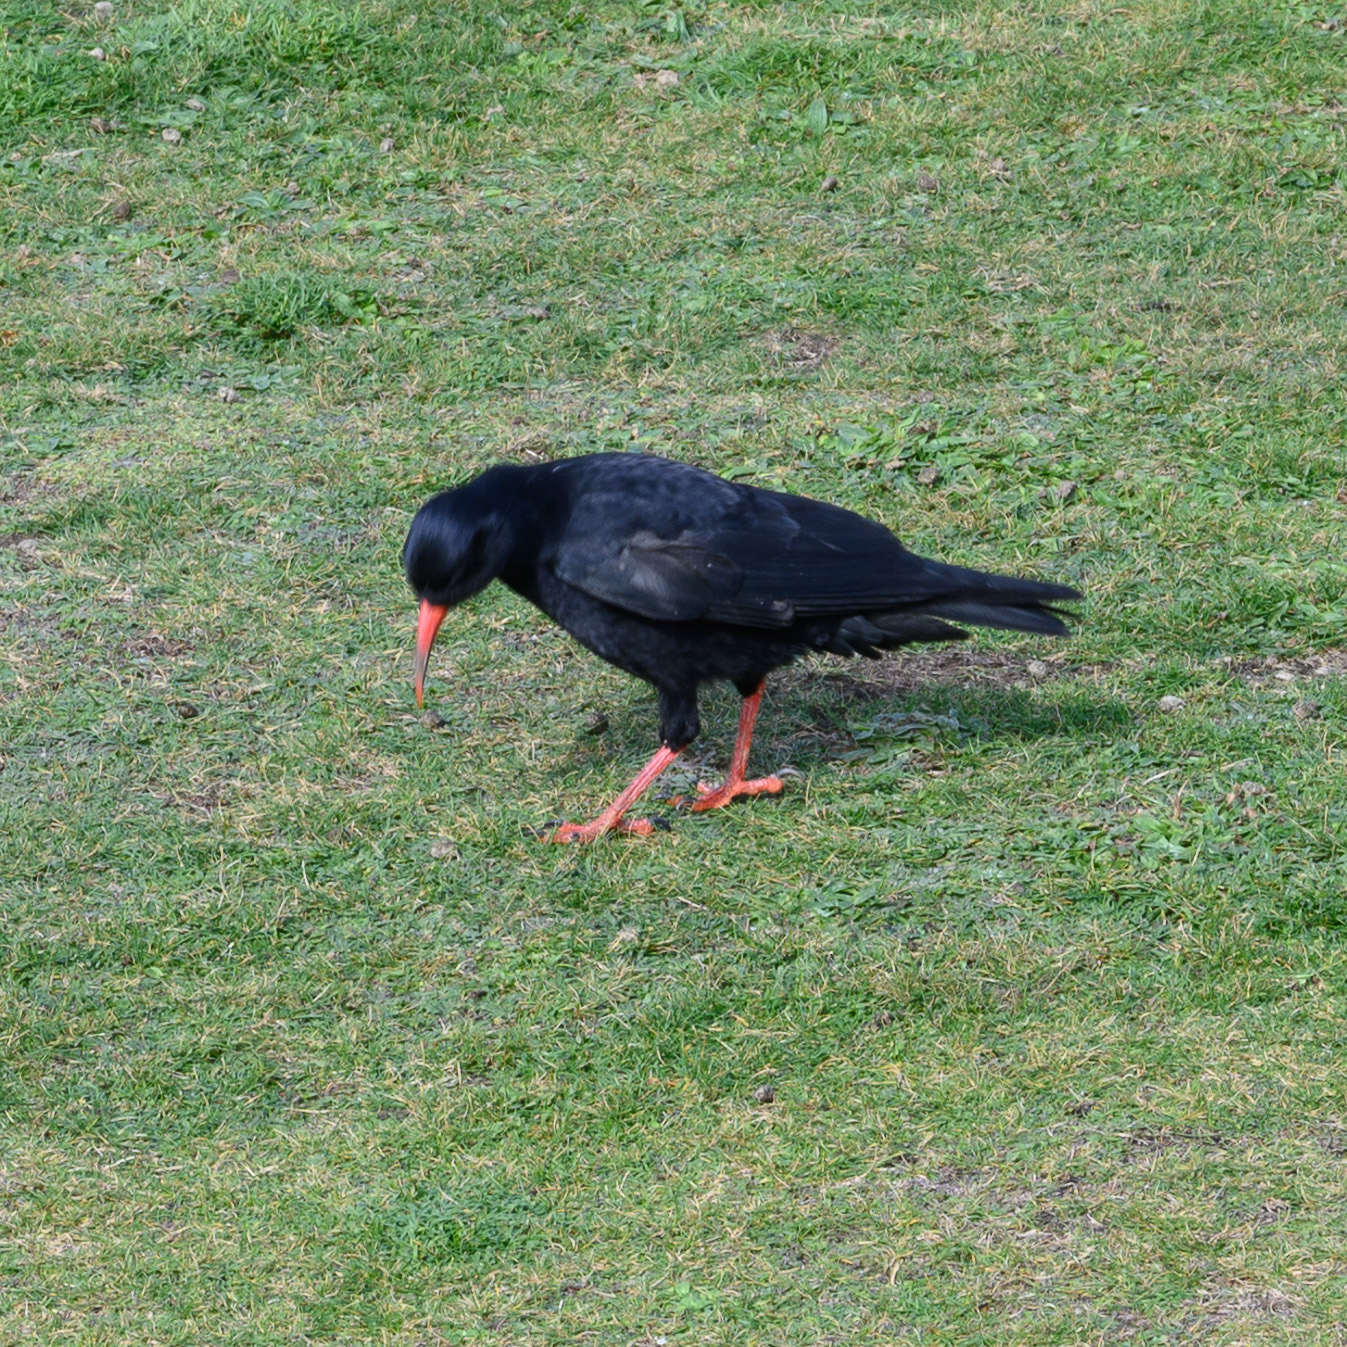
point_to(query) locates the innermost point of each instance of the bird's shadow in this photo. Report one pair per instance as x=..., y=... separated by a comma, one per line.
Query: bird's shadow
x=814, y=716
x=817, y=713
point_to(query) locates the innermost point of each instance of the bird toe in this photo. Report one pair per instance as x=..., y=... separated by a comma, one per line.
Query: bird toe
x=733, y=790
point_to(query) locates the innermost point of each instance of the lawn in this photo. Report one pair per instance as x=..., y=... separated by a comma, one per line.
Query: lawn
x=1018, y=1018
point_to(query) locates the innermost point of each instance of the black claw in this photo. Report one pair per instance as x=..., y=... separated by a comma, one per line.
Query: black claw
x=542, y=830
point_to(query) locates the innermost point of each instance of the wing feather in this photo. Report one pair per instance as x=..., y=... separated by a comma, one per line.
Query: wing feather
x=676, y=544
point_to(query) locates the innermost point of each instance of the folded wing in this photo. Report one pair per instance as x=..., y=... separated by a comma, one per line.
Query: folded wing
x=699, y=547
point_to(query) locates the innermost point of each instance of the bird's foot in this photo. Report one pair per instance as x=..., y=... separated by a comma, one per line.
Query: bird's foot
x=716, y=797
x=587, y=832
x=612, y=819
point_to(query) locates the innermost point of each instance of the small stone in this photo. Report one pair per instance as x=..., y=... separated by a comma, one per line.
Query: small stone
x=443, y=850
x=187, y=711
x=1170, y=703
x=194, y=105
x=765, y=1094
x=98, y=53
x=597, y=723
x=1037, y=669
x=666, y=79
x=104, y=11
x=386, y=145
x=1307, y=710
x=829, y=184
x=927, y=183
x=121, y=210
x=171, y=135
x=227, y=394
x=432, y=720
x=229, y=276
x=1063, y=491
x=929, y=475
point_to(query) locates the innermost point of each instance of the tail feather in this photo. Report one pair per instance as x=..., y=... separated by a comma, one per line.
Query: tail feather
x=1039, y=618
x=869, y=634
x=981, y=599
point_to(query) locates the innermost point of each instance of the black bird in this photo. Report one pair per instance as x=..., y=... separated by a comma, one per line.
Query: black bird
x=679, y=577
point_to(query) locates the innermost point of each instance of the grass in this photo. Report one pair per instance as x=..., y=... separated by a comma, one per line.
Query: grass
x=1016, y=1020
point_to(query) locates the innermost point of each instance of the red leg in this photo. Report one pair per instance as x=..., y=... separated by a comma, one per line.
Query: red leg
x=611, y=819
x=734, y=785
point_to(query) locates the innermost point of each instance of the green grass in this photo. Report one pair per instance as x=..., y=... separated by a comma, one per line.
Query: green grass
x=305, y=1039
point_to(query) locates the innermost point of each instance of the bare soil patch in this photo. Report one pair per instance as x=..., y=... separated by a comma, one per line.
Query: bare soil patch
x=1286, y=669
x=951, y=666
x=804, y=351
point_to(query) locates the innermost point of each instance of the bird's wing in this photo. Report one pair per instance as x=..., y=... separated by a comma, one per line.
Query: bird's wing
x=678, y=544
x=805, y=558
x=668, y=579
x=644, y=534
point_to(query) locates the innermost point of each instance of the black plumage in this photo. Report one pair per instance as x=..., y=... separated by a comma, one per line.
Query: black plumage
x=679, y=577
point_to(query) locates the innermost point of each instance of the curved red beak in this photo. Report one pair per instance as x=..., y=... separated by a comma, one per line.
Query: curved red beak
x=431, y=617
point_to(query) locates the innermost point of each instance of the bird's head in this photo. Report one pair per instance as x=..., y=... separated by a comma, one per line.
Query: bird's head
x=456, y=546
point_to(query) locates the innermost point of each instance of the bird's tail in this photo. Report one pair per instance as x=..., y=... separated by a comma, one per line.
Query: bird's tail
x=1006, y=602
x=958, y=595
